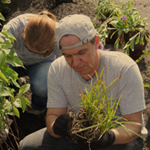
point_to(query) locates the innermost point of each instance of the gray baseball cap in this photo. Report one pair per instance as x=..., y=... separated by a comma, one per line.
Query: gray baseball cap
x=77, y=24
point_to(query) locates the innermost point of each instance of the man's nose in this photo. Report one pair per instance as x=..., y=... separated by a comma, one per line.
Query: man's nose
x=76, y=60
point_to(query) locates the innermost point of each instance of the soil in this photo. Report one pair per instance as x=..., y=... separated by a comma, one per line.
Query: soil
x=29, y=123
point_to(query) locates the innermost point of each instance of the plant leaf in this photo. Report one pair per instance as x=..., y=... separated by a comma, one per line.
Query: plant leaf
x=16, y=111
x=3, y=58
x=137, y=39
x=2, y=17
x=24, y=89
x=3, y=78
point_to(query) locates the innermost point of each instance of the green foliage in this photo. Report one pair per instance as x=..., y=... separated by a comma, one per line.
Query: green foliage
x=101, y=109
x=2, y=17
x=124, y=20
x=103, y=32
x=9, y=101
x=96, y=101
x=147, y=86
x=3, y=7
x=106, y=8
x=146, y=53
x=129, y=23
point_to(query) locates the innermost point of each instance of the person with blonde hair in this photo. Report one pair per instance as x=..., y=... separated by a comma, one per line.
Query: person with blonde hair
x=36, y=47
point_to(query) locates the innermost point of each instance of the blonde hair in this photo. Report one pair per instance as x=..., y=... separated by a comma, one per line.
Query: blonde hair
x=39, y=32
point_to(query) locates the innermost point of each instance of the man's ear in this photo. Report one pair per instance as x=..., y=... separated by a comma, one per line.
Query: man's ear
x=96, y=42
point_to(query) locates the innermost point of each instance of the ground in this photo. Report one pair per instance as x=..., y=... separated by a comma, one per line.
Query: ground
x=29, y=123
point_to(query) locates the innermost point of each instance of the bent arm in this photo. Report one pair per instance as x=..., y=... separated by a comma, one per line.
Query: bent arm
x=122, y=136
x=51, y=116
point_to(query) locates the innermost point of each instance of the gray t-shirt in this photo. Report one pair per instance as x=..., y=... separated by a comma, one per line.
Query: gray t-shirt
x=28, y=58
x=65, y=84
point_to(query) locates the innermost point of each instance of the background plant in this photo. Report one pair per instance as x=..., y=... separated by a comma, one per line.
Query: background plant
x=126, y=22
x=121, y=19
x=9, y=100
x=129, y=25
x=106, y=9
x=3, y=6
x=145, y=53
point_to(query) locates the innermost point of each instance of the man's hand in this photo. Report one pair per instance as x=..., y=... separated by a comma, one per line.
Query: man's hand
x=61, y=124
x=107, y=139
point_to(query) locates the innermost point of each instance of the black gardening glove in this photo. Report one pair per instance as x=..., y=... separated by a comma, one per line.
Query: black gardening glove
x=61, y=124
x=107, y=139
x=83, y=144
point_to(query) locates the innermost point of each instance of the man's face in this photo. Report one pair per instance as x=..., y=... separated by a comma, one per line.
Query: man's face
x=83, y=59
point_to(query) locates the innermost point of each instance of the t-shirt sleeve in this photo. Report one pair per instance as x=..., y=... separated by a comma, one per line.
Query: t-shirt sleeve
x=56, y=96
x=131, y=91
x=16, y=29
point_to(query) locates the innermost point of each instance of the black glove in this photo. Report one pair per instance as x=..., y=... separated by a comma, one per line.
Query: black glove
x=61, y=124
x=83, y=144
x=107, y=139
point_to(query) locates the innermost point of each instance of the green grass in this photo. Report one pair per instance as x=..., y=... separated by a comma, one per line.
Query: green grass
x=101, y=109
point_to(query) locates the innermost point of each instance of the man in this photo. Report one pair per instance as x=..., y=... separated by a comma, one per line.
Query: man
x=71, y=73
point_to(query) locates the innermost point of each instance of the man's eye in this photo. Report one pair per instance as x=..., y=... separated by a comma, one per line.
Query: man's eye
x=67, y=56
x=82, y=52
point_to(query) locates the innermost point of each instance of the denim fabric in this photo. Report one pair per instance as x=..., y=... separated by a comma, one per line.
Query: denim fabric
x=42, y=140
x=38, y=80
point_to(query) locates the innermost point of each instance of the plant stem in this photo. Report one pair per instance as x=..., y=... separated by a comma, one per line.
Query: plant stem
x=87, y=5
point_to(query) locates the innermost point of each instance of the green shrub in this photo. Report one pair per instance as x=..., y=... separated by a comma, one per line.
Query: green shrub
x=3, y=6
x=9, y=100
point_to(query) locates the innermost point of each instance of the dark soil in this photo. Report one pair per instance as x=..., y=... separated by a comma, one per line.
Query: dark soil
x=29, y=123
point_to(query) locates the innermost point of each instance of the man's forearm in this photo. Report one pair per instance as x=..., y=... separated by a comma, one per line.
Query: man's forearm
x=52, y=115
x=50, y=120
x=122, y=136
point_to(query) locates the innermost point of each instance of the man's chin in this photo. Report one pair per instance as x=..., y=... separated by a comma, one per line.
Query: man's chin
x=86, y=74
x=83, y=73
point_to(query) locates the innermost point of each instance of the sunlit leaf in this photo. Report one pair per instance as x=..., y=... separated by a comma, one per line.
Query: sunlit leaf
x=137, y=40
x=7, y=92
x=6, y=1
x=3, y=58
x=16, y=112
x=24, y=102
x=2, y=17
x=24, y=89
x=17, y=103
x=2, y=77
